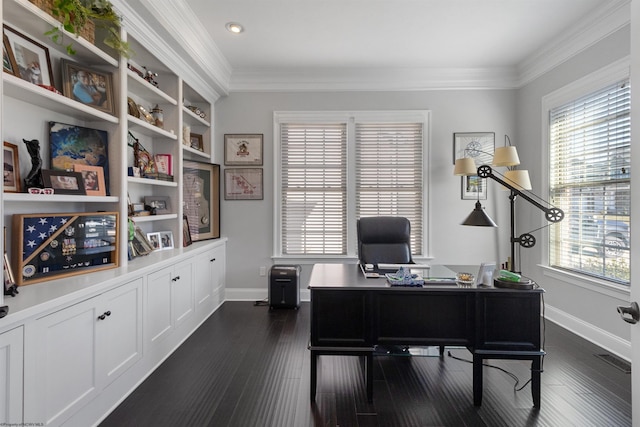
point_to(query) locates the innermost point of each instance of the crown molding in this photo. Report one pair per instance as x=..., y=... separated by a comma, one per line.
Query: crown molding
x=604, y=21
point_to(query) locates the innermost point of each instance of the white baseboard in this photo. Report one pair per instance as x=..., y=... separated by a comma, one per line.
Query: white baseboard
x=257, y=294
x=600, y=337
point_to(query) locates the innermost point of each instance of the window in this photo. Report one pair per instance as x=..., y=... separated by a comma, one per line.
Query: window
x=590, y=180
x=337, y=167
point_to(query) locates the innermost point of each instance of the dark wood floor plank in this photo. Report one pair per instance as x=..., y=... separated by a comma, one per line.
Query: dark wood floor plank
x=249, y=366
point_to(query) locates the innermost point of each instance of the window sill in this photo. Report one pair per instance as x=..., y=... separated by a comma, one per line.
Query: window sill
x=590, y=283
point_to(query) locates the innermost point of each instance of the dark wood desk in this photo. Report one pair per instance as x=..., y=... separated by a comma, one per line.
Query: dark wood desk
x=351, y=314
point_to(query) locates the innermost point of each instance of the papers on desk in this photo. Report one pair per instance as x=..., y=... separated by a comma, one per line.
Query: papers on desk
x=396, y=267
x=374, y=271
x=368, y=271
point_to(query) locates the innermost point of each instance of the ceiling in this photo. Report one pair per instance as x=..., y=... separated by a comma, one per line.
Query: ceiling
x=392, y=44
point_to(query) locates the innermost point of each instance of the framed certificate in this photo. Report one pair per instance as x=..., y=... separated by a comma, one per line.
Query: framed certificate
x=243, y=149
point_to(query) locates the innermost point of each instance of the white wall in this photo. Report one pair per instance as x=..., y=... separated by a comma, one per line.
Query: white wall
x=588, y=309
x=248, y=224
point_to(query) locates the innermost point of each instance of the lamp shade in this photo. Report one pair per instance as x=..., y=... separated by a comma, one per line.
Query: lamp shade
x=479, y=218
x=465, y=166
x=519, y=178
x=506, y=156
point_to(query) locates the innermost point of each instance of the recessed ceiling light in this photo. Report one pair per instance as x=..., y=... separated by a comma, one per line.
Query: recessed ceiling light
x=234, y=27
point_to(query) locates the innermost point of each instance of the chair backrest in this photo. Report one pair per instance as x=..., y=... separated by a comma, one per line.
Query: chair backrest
x=384, y=239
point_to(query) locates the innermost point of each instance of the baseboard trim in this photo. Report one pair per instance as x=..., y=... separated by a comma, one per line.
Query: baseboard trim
x=600, y=337
x=257, y=294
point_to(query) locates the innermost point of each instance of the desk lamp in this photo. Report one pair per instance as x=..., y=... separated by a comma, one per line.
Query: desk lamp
x=517, y=181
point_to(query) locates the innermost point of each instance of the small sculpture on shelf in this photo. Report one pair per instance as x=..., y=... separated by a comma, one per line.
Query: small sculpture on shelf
x=149, y=76
x=34, y=178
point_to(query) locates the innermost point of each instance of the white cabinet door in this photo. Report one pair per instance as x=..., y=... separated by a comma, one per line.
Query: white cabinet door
x=208, y=277
x=158, y=304
x=78, y=350
x=11, y=357
x=182, y=293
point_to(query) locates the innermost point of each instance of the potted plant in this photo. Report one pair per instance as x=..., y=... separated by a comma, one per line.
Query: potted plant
x=75, y=15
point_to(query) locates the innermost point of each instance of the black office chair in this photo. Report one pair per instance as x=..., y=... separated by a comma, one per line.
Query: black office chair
x=384, y=239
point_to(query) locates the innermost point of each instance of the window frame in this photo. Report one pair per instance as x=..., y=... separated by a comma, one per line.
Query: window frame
x=597, y=80
x=350, y=118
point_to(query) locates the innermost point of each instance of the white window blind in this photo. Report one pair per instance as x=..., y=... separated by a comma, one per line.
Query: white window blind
x=590, y=180
x=389, y=173
x=313, y=188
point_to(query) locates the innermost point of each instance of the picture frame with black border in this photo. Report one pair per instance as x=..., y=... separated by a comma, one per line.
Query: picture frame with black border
x=473, y=188
x=11, y=169
x=88, y=86
x=244, y=149
x=186, y=233
x=32, y=58
x=64, y=182
x=196, y=141
x=158, y=205
x=243, y=184
x=480, y=146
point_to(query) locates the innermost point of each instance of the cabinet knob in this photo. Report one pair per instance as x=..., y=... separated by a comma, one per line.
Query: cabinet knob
x=104, y=315
x=175, y=279
x=212, y=259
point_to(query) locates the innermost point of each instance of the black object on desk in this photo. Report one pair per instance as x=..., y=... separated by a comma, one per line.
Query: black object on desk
x=351, y=314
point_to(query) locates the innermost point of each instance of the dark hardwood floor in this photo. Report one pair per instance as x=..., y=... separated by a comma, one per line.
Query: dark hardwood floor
x=249, y=366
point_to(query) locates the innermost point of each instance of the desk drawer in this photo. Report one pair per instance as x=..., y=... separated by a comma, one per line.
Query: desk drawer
x=340, y=318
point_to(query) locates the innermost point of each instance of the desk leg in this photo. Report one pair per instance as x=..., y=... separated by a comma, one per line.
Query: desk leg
x=314, y=367
x=369, y=376
x=477, y=380
x=536, y=365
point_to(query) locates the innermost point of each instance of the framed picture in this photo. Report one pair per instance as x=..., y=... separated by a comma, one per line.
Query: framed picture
x=64, y=182
x=32, y=59
x=186, y=234
x=71, y=145
x=87, y=86
x=243, y=184
x=473, y=188
x=243, y=150
x=93, y=178
x=9, y=64
x=166, y=240
x=201, y=199
x=11, y=168
x=56, y=245
x=477, y=145
x=196, y=141
x=154, y=239
x=158, y=205
x=140, y=245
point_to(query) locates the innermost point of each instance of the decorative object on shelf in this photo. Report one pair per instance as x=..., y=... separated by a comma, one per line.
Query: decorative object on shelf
x=133, y=108
x=34, y=178
x=87, y=86
x=166, y=240
x=154, y=239
x=243, y=149
x=32, y=58
x=149, y=76
x=157, y=205
x=11, y=168
x=64, y=182
x=164, y=164
x=186, y=135
x=197, y=111
x=57, y=245
x=201, y=199
x=243, y=184
x=145, y=115
x=9, y=64
x=473, y=188
x=135, y=68
x=71, y=145
x=93, y=177
x=10, y=286
x=186, y=233
x=196, y=141
x=82, y=17
x=139, y=244
x=158, y=116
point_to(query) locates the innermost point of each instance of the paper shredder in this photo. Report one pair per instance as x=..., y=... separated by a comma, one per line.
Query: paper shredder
x=284, y=286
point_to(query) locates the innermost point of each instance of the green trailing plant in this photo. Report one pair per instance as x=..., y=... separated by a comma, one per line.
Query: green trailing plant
x=74, y=14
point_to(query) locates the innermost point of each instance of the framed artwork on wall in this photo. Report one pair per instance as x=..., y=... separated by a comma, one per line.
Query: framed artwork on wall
x=243, y=149
x=477, y=145
x=243, y=184
x=473, y=188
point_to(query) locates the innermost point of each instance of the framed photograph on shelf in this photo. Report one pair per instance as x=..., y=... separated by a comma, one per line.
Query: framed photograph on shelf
x=477, y=145
x=32, y=58
x=473, y=188
x=196, y=141
x=201, y=199
x=9, y=64
x=186, y=234
x=158, y=205
x=166, y=240
x=64, y=182
x=11, y=168
x=93, y=177
x=243, y=184
x=70, y=145
x=90, y=87
x=243, y=149
x=154, y=239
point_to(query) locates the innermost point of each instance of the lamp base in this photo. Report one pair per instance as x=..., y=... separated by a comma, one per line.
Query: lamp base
x=524, y=284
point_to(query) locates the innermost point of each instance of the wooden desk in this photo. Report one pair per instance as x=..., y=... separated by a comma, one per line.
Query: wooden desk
x=351, y=314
